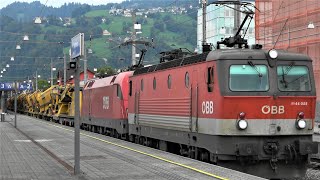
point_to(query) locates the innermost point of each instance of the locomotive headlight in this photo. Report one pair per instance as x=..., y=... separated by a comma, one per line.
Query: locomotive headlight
x=242, y=124
x=242, y=115
x=301, y=124
x=273, y=54
x=301, y=115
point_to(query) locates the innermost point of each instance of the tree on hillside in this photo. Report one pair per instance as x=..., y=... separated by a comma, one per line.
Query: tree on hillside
x=105, y=71
x=55, y=21
x=81, y=11
x=43, y=84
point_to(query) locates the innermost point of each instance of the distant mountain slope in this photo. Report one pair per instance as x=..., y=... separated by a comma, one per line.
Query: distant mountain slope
x=169, y=29
x=23, y=11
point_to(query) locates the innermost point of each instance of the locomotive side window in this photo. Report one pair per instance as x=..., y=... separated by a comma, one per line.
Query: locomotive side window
x=169, y=81
x=154, y=83
x=248, y=78
x=210, y=74
x=186, y=80
x=130, y=88
x=293, y=78
x=141, y=84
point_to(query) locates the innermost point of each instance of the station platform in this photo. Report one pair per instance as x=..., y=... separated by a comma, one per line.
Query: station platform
x=39, y=149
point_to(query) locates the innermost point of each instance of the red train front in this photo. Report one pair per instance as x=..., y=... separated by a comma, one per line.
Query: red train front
x=248, y=109
x=105, y=103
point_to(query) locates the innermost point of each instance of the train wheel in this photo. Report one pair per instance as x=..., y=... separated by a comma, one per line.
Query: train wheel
x=142, y=140
x=131, y=138
x=204, y=155
x=117, y=135
x=136, y=140
x=100, y=130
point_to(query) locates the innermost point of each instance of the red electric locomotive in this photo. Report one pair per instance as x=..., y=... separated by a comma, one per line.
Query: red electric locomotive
x=105, y=105
x=248, y=109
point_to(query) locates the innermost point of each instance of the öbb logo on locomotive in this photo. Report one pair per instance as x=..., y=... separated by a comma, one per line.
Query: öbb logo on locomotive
x=266, y=109
x=207, y=107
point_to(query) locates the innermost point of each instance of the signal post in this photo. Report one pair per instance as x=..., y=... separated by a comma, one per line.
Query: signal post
x=77, y=51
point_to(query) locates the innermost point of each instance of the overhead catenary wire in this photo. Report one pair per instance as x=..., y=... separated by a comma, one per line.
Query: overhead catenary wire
x=182, y=22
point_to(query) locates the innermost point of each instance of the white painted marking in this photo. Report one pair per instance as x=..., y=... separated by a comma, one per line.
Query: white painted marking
x=37, y=140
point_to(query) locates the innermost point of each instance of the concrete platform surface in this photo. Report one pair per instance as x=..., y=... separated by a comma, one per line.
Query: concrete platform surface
x=22, y=159
x=40, y=148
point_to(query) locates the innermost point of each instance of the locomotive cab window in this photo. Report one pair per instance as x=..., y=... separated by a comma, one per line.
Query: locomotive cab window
x=248, y=78
x=293, y=78
x=210, y=73
x=119, y=92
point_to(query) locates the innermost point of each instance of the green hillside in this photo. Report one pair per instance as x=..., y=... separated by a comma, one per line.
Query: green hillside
x=168, y=31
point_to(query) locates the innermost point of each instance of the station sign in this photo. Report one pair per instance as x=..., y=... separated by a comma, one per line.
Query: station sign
x=6, y=86
x=25, y=86
x=10, y=86
x=77, y=46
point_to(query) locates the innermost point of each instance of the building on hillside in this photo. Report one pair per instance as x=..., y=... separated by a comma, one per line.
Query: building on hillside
x=293, y=26
x=220, y=24
x=70, y=76
x=106, y=33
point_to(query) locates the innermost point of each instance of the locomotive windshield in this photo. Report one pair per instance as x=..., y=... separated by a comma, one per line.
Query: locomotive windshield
x=248, y=78
x=293, y=78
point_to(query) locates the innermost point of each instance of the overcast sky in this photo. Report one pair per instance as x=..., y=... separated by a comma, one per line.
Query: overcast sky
x=58, y=3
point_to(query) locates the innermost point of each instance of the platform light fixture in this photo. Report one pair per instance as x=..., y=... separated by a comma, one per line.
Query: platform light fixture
x=310, y=25
x=37, y=20
x=25, y=38
x=18, y=47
